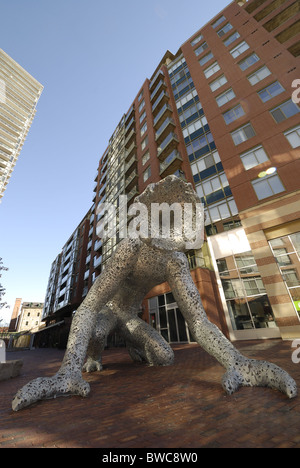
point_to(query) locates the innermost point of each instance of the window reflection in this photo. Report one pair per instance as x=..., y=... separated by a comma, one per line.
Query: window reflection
x=286, y=250
x=245, y=294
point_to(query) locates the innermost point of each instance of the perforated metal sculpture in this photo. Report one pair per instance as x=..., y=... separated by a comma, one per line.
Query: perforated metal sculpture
x=113, y=303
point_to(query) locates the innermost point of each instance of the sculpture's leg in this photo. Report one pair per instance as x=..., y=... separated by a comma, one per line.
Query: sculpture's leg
x=68, y=379
x=106, y=322
x=145, y=342
x=240, y=370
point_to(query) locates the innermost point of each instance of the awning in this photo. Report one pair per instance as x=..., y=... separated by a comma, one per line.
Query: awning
x=50, y=326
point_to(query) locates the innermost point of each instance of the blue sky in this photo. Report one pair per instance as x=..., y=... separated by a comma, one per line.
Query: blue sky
x=92, y=57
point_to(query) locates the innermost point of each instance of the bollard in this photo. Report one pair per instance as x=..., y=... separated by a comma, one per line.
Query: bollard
x=2, y=352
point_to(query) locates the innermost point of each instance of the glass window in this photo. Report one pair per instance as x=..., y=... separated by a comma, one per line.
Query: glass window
x=221, y=210
x=233, y=114
x=225, y=97
x=254, y=157
x=144, y=143
x=147, y=173
x=270, y=91
x=205, y=162
x=284, y=111
x=143, y=116
x=190, y=96
x=206, y=59
x=196, y=40
x=245, y=294
x=142, y=105
x=267, y=186
x=248, y=62
x=239, y=49
x=144, y=129
x=201, y=49
x=243, y=134
x=224, y=30
x=214, y=68
x=218, y=83
x=293, y=136
x=219, y=21
x=232, y=38
x=286, y=251
x=259, y=75
x=141, y=95
x=145, y=158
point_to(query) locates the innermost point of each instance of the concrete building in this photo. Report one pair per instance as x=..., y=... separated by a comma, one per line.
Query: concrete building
x=19, y=95
x=30, y=317
x=219, y=113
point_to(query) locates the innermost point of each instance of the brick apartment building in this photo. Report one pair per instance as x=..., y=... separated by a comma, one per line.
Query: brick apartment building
x=218, y=113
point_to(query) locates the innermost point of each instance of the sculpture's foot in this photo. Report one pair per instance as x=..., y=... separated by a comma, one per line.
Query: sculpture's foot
x=253, y=373
x=135, y=354
x=49, y=387
x=92, y=366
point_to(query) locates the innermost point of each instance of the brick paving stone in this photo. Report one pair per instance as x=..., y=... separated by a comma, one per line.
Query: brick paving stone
x=132, y=405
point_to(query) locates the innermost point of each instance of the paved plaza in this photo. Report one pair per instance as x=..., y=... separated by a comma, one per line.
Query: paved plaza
x=132, y=405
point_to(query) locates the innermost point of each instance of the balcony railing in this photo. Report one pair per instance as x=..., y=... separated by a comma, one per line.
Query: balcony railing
x=165, y=108
x=160, y=134
x=157, y=88
x=171, y=164
x=167, y=145
x=133, y=192
x=159, y=74
x=161, y=98
x=131, y=179
x=130, y=163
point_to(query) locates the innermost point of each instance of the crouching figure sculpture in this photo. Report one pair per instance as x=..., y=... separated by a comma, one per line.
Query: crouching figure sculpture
x=112, y=304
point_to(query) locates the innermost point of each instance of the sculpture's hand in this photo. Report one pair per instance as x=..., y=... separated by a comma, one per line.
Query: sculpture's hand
x=252, y=373
x=240, y=370
x=50, y=387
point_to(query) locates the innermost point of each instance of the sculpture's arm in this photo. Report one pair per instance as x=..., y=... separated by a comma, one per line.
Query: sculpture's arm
x=68, y=380
x=240, y=370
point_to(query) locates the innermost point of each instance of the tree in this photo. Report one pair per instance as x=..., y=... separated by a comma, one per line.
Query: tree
x=2, y=289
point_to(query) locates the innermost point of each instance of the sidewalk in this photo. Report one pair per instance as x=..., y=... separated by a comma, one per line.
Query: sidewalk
x=132, y=405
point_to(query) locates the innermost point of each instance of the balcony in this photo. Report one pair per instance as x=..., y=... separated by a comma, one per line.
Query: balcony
x=171, y=164
x=160, y=101
x=157, y=76
x=158, y=87
x=130, y=138
x=165, y=111
x=131, y=163
x=129, y=125
x=133, y=193
x=130, y=113
x=167, y=146
x=164, y=129
x=131, y=180
x=129, y=151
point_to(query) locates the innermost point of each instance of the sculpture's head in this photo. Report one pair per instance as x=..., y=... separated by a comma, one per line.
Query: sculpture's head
x=175, y=218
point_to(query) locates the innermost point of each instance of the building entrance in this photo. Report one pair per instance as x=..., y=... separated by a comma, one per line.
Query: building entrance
x=167, y=319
